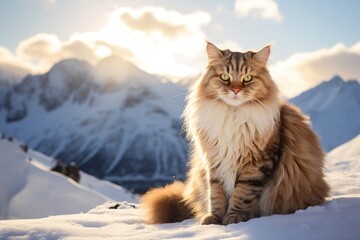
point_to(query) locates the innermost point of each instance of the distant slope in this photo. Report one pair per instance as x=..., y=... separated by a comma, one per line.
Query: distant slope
x=349, y=151
x=343, y=167
x=334, y=109
x=30, y=190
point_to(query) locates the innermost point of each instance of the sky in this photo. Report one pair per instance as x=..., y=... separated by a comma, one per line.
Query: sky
x=312, y=40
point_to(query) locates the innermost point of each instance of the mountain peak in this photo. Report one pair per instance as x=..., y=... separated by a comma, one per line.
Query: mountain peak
x=63, y=79
x=332, y=87
x=330, y=105
x=112, y=59
x=336, y=80
x=70, y=65
x=114, y=71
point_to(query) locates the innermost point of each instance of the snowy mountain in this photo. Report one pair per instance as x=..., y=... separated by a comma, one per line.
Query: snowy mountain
x=30, y=190
x=114, y=120
x=338, y=218
x=334, y=110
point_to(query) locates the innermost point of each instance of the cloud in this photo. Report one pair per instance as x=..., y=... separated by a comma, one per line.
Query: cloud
x=159, y=41
x=233, y=46
x=148, y=21
x=44, y=50
x=265, y=9
x=12, y=69
x=171, y=24
x=38, y=47
x=5, y=54
x=302, y=71
x=50, y=3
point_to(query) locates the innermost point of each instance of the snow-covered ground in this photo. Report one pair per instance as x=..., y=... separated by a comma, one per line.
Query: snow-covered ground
x=338, y=218
x=30, y=190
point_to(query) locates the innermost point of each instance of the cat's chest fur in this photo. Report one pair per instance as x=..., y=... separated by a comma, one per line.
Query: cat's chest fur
x=231, y=134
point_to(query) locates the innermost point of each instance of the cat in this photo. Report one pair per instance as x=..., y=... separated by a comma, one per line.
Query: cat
x=252, y=154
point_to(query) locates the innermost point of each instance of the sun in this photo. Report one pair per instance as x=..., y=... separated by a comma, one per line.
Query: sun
x=103, y=52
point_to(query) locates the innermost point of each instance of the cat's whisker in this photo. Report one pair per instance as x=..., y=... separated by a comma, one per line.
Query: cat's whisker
x=178, y=95
x=263, y=105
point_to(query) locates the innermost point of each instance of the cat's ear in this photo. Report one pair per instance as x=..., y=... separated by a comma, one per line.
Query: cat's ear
x=262, y=56
x=213, y=52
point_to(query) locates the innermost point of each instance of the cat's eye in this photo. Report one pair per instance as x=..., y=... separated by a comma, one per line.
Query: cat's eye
x=225, y=77
x=247, y=78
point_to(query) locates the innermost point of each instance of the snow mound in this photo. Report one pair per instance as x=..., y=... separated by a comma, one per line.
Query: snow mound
x=30, y=190
x=343, y=168
x=349, y=152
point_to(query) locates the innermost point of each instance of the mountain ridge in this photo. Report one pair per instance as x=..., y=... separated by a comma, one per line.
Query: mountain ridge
x=329, y=105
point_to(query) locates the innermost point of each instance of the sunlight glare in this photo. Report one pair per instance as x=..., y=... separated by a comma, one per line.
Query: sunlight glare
x=103, y=51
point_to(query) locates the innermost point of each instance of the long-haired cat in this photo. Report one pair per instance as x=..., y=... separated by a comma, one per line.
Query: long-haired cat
x=252, y=154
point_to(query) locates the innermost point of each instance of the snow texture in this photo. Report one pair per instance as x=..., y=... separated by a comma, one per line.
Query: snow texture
x=334, y=110
x=338, y=218
x=30, y=190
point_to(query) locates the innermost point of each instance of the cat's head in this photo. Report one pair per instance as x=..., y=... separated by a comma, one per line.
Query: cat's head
x=238, y=78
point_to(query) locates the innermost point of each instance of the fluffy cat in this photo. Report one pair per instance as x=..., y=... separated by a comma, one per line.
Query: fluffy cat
x=252, y=154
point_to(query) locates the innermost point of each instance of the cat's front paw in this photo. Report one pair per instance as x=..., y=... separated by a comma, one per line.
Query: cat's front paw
x=234, y=218
x=210, y=219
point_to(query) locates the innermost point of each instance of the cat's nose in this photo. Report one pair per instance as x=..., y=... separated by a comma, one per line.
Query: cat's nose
x=236, y=90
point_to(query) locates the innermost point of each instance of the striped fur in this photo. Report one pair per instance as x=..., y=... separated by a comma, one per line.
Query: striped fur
x=252, y=155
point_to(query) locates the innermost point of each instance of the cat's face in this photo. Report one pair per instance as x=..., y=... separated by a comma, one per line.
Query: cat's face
x=238, y=78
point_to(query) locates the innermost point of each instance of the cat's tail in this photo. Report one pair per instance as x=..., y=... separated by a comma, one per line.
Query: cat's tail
x=166, y=204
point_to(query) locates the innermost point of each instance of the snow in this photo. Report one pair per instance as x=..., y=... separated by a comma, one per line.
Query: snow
x=107, y=188
x=30, y=190
x=334, y=110
x=338, y=218
x=344, y=174
x=348, y=151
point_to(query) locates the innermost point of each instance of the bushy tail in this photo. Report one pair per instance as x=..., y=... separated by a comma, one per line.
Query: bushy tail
x=166, y=204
